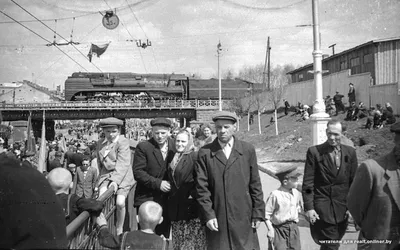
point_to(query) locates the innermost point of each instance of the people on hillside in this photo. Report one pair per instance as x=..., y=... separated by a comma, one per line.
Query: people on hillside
x=338, y=102
x=328, y=174
x=114, y=163
x=352, y=113
x=282, y=211
x=149, y=216
x=374, y=199
x=352, y=94
x=388, y=116
x=287, y=106
x=362, y=110
x=183, y=209
x=229, y=189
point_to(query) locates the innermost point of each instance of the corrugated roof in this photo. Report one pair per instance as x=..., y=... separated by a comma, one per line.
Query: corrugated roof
x=346, y=51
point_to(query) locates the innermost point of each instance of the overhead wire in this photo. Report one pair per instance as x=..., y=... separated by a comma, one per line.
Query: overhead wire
x=141, y=56
x=43, y=39
x=137, y=20
x=55, y=33
x=57, y=60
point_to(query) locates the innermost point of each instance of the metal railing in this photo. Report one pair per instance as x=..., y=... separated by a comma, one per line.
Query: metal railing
x=207, y=104
x=82, y=232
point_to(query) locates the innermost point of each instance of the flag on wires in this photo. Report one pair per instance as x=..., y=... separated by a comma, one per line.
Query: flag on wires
x=42, y=152
x=30, y=146
x=97, y=49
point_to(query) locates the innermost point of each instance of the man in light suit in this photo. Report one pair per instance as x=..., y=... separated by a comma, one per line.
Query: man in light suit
x=374, y=199
x=150, y=167
x=328, y=174
x=114, y=163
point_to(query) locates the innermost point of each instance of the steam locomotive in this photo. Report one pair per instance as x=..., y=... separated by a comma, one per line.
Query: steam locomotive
x=81, y=86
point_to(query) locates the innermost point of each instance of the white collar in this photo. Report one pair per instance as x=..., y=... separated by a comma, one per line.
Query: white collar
x=113, y=141
x=229, y=143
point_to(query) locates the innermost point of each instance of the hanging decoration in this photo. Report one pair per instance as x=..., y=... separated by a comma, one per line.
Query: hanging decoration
x=110, y=20
x=97, y=49
x=144, y=44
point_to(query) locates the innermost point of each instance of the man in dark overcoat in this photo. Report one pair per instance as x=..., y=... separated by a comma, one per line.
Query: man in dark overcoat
x=329, y=171
x=374, y=199
x=150, y=167
x=229, y=188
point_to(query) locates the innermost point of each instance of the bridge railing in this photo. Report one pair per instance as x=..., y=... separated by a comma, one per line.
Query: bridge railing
x=82, y=232
x=125, y=105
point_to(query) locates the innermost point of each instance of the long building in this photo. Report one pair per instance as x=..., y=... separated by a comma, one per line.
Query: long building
x=379, y=57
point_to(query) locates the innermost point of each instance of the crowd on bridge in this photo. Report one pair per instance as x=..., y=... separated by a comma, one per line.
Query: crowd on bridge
x=200, y=189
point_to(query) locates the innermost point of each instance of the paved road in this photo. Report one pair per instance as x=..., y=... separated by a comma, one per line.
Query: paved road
x=269, y=184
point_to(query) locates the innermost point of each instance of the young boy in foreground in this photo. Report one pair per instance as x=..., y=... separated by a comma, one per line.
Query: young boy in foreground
x=282, y=212
x=149, y=216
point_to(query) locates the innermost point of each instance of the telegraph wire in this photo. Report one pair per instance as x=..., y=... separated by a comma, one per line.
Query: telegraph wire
x=43, y=39
x=95, y=12
x=50, y=20
x=141, y=56
x=57, y=60
x=154, y=56
x=55, y=33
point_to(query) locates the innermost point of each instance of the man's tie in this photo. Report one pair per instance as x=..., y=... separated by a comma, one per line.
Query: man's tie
x=336, y=158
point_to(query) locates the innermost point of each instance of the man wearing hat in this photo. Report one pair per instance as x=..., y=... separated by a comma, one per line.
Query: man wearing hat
x=114, y=163
x=150, y=166
x=328, y=173
x=374, y=198
x=229, y=188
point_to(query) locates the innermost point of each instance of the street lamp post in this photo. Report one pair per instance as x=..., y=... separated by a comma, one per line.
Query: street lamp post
x=219, y=78
x=319, y=117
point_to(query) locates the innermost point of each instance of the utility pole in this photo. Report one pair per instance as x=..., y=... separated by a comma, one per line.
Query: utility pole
x=267, y=58
x=319, y=117
x=269, y=64
x=333, y=48
x=219, y=77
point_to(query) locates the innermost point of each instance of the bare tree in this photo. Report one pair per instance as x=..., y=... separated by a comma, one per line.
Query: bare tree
x=276, y=93
x=229, y=74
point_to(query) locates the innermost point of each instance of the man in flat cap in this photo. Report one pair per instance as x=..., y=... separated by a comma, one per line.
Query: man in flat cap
x=374, y=199
x=328, y=174
x=114, y=163
x=150, y=166
x=229, y=188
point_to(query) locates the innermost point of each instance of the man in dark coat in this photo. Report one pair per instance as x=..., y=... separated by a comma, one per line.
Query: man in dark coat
x=374, y=199
x=229, y=189
x=150, y=167
x=30, y=215
x=328, y=174
x=338, y=102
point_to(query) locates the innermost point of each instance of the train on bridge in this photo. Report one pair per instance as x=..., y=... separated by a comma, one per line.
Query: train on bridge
x=84, y=86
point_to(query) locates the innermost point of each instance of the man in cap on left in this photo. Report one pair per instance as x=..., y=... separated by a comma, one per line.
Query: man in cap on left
x=114, y=163
x=374, y=199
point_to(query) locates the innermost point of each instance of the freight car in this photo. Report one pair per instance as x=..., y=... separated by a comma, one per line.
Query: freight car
x=81, y=86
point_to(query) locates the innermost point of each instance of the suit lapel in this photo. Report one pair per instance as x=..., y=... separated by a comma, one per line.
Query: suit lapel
x=216, y=151
x=237, y=150
x=393, y=180
x=327, y=162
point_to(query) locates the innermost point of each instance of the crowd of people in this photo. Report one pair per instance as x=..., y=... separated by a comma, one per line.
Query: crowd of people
x=200, y=189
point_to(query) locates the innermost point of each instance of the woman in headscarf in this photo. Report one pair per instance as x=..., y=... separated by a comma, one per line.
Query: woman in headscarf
x=187, y=230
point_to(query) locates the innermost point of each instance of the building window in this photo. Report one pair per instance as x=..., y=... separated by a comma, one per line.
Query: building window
x=343, y=65
x=301, y=76
x=355, y=61
x=368, y=58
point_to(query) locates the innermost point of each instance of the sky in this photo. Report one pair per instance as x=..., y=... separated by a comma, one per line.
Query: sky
x=184, y=34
